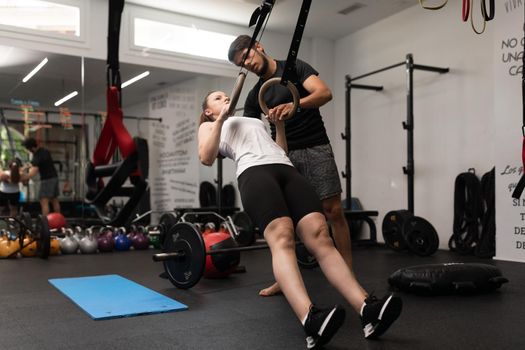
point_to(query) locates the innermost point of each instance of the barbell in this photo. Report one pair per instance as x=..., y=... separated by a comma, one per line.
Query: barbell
x=184, y=254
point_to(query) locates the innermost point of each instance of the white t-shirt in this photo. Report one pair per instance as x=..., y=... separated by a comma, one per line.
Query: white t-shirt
x=8, y=187
x=247, y=142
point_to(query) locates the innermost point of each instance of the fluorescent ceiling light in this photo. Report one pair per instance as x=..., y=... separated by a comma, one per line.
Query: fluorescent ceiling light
x=65, y=98
x=132, y=80
x=36, y=69
x=41, y=16
x=182, y=39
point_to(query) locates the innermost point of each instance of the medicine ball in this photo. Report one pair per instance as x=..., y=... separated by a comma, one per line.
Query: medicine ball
x=56, y=221
x=220, y=265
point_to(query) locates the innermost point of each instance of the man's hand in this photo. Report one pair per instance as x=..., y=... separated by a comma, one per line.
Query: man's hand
x=280, y=112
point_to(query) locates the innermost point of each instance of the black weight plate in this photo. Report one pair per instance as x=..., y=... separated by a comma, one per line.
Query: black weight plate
x=304, y=258
x=245, y=235
x=392, y=228
x=43, y=237
x=186, y=271
x=207, y=195
x=228, y=196
x=420, y=236
x=25, y=217
x=166, y=221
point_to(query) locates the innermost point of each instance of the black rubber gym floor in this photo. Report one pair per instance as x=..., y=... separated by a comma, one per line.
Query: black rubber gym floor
x=228, y=314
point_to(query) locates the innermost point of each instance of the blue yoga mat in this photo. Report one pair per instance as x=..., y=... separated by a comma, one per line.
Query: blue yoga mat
x=112, y=296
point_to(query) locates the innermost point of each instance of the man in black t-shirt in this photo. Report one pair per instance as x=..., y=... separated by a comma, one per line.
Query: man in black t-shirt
x=42, y=164
x=308, y=144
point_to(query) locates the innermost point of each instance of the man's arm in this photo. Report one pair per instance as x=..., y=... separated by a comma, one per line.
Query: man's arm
x=32, y=172
x=319, y=95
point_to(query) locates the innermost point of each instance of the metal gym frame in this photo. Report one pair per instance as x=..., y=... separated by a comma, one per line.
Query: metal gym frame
x=408, y=125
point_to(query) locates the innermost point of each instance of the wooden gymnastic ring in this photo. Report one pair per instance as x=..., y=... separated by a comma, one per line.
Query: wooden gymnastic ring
x=289, y=85
x=236, y=92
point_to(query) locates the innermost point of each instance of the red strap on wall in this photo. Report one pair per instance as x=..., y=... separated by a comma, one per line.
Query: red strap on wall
x=113, y=133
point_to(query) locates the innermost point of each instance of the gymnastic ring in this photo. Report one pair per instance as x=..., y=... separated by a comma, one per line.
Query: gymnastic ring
x=236, y=92
x=275, y=81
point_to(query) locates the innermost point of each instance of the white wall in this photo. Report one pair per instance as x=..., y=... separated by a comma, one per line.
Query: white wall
x=453, y=112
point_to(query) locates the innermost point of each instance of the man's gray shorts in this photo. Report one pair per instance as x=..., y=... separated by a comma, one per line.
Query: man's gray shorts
x=49, y=188
x=317, y=164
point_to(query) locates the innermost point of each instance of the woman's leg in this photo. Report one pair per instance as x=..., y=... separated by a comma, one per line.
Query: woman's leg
x=313, y=231
x=279, y=235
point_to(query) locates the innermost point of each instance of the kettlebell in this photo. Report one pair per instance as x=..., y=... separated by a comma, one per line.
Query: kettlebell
x=88, y=244
x=154, y=238
x=68, y=245
x=30, y=248
x=78, y=235
x=54, y=248
x=122, y=242
x=8, y=247
x=140, y=241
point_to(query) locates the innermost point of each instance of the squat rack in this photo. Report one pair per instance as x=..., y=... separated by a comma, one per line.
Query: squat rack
x=408, y=124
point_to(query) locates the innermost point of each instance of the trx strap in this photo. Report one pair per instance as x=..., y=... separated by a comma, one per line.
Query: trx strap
x=289, y=67
x=114, y=134
x=259, y=18
x=468, y=212
x=521, y=184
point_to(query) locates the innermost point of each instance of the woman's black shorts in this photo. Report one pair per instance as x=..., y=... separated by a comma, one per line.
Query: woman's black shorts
x=272, y=191
x=9, y=198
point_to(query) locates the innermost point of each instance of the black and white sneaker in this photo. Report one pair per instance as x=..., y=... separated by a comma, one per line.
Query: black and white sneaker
x=378, y=315
x=322, y=324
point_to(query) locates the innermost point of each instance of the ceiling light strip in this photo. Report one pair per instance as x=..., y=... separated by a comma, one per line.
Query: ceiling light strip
x=36, y=69
x=65, y=98
x=133, y=80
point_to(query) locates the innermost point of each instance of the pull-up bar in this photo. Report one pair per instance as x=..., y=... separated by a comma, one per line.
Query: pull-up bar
x=408, y=125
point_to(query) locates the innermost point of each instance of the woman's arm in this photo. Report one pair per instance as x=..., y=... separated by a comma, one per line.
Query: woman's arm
x=4, y=176
x=210, y=137
x=280, y=136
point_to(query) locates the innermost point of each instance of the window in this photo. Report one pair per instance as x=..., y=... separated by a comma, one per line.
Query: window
x=181, y=39
x=39, y=15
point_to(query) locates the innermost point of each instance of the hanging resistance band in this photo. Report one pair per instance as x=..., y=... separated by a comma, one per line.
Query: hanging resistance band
x=487, y=12
x=521, y=184
x=114, y=134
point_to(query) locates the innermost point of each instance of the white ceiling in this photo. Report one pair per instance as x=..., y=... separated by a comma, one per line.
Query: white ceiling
x=323, y=19
x=62, y=74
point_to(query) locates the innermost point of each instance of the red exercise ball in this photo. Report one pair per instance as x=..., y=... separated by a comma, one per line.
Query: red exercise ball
x=56, y=221
x=220, y=265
